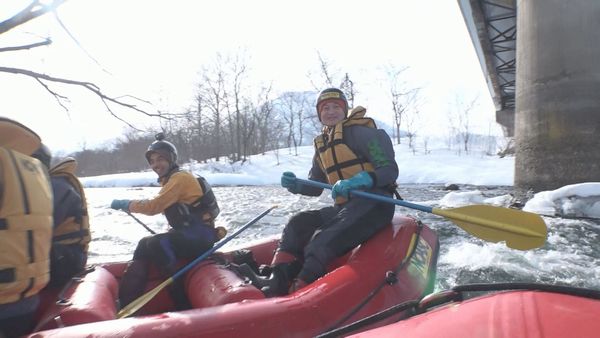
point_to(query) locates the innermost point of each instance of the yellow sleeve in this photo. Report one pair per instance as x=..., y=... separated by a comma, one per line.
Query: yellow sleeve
x=173, y=191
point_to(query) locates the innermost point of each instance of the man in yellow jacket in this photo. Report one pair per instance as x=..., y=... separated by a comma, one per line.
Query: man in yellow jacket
x=190, y=207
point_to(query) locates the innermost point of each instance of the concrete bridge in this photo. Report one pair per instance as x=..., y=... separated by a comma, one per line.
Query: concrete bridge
x=544, y=78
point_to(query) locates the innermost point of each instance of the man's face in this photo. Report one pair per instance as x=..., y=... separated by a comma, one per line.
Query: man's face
x=159, y=164
x=331, y=113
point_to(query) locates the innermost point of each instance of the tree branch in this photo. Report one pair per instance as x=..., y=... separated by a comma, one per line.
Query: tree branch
x=40, y=78
x=29, y=46
x=30, y=12
x=62, y=25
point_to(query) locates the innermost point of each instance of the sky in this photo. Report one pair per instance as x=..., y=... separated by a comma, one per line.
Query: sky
x=439, y=165
x=153, y=50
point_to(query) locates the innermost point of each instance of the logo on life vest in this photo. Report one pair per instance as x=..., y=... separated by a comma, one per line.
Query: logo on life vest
x=377, y=153
x=29, y=165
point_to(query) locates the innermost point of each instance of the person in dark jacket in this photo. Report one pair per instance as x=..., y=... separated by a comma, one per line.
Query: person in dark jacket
x=71, y=229
x=351, y=153
x=190, y=207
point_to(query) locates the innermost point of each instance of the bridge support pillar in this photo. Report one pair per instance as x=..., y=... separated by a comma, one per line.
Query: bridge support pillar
x=506, y=118
x=557, y=115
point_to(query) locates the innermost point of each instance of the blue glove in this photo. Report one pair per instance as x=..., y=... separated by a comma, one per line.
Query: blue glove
x=120, y=205
x=288, y=180
x=362, y=180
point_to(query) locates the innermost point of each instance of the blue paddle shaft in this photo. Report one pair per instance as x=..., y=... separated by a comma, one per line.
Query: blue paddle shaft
x=369, y=195
x=221, y=243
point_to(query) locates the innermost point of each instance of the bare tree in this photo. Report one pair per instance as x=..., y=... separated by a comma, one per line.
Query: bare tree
x=212, y=92
x=37, y=8
x=402, y=98
x=460, y=122
x=199, y=140
x=238, y=70
x=264, y=124
x=411, y=116
x=324, y=76
x=290, y=107
x=261, y=110
x=507, y=147
x=347, y=86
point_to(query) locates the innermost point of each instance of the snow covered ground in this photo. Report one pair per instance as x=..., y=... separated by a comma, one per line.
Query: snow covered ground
x=436, y=166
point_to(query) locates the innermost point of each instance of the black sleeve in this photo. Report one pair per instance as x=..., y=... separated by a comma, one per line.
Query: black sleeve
x=67, y=201
x=315, y=174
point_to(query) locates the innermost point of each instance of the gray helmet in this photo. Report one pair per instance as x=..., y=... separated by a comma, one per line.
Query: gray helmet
x=331, y=94
x=43, y=154
x=163, y=147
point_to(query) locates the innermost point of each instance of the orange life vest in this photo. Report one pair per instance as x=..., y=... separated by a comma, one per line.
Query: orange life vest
x=25, y=226
x=335, y=158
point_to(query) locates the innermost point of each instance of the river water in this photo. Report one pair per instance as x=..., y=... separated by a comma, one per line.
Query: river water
x=571, y=255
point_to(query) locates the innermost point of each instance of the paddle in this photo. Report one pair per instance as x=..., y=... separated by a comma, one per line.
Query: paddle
x=519, y=229
x=137, y=304
x=142, y=223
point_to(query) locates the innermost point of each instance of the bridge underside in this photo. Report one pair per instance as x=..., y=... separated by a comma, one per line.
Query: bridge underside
x=551, y=104
x=492, y=25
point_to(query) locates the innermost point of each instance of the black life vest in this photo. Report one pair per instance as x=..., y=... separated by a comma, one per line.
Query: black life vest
x=72, y=230
x=205, y=209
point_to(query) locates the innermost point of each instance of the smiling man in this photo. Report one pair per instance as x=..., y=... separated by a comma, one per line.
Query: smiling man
x=190, y=207
x=351, y=153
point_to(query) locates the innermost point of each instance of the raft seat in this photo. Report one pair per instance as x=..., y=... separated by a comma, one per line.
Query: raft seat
x=88, y=299
x=210, y=284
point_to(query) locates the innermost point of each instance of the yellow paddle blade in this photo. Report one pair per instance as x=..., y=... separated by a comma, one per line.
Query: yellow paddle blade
x=519, y=229
x=137, y=304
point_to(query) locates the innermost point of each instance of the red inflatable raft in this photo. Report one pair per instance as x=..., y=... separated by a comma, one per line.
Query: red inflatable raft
x=511, y=310
x=396, y=265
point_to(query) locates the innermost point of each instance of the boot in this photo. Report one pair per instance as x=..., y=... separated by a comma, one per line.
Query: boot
x=133, y=282
x=281, y=277
x=297, y=284
x=284, y=268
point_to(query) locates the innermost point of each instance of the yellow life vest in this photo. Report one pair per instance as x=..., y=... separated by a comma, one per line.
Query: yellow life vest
x=18, y=137
x=25, y=226
x=336, y=159
x=69, y=231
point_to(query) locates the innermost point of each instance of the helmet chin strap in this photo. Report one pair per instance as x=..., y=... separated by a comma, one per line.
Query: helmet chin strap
x=172, y=168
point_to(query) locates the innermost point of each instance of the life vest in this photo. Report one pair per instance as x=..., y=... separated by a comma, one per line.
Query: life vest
x=205, y=208
x=335, y=158
x=71, y=230
x=18, y=137
x=25, y=226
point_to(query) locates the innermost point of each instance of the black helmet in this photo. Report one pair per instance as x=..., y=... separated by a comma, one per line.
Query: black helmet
x=43, y=154
x=331, y=94
x=163, y=147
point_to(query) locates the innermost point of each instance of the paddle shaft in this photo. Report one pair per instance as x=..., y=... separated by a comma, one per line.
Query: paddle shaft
x=221, y=243
x=137, y=304
x=445, y=213
x=369, y=195
x=142, y=223
x=519, y=229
